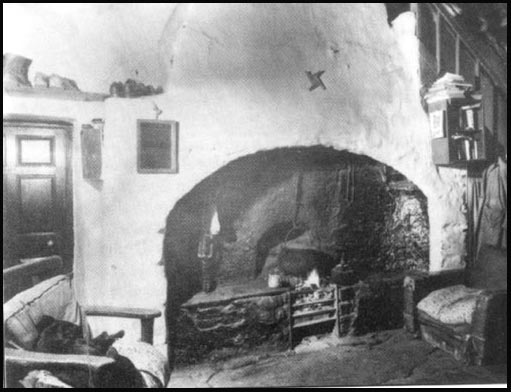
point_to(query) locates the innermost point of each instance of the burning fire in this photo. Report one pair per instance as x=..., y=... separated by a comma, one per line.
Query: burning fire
x=214, y=228
x=312, y=279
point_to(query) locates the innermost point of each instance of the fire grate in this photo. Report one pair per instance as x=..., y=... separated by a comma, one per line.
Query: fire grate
x=309, y=308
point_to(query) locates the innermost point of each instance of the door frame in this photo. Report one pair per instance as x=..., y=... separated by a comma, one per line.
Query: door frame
x=67, y=125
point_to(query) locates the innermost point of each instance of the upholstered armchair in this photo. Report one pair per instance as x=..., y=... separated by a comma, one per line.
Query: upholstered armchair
x=463, y=312
x=55, y=297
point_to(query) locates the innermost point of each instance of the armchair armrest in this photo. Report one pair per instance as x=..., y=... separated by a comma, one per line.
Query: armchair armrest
x=114, y=311
x=37, y=360
x=418, y=285
x=146, y=317
x=84, y=371
x=30, y=272
x=489, y=327
x=423, y=283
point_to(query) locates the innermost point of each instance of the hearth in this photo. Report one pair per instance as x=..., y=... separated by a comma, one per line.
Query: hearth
x=240, y=318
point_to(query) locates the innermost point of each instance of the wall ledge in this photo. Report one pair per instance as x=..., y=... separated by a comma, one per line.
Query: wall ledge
x=55, y=93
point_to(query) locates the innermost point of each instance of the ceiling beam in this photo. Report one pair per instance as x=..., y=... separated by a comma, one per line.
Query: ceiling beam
x=493, y=60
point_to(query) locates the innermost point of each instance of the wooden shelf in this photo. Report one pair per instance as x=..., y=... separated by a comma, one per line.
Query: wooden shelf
x=314, y=312
x=56, y=93
x=348, y=287
x=314, y=322
x=323, y=301
x=460, y=140
x=465, y=163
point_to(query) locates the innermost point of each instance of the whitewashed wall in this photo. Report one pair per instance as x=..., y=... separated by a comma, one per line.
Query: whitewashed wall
x=237, y=85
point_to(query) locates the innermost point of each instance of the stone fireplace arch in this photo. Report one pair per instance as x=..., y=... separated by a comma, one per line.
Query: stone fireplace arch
x=256, y=197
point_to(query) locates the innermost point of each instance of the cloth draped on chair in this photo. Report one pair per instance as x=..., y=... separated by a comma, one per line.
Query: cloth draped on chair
x=55, y=297
x=487, y=208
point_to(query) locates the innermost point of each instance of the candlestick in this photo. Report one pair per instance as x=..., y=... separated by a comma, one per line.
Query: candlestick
x=206, y=247
x=206, y=254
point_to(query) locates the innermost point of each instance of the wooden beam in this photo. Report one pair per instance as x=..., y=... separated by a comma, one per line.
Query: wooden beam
x=457, y=53
x=436, y=16
x=494, y=62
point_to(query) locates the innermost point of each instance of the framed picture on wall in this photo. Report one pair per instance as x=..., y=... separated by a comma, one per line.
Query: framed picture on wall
x=91, y=152
x=157, y=146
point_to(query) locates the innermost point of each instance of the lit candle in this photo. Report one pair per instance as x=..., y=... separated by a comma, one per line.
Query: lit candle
x=206, y=243
x=207, y=252
x=214, y=227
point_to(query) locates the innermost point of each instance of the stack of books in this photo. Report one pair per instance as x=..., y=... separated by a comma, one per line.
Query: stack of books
x=450, y=86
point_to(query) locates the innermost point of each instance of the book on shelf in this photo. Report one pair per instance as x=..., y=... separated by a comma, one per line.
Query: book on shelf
x=449, y=77
x=447, y=93
x=466, y=147
x=444, y=97
x=472, y=106
x=469, y=118
x=450, y=87
x=475, y=149
x=463, y=149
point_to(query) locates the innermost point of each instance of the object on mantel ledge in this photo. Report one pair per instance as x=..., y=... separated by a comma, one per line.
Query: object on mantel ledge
x=16, y=83
x=52, y=81
x=132, y=89
x=15, y=71
x=55, y=93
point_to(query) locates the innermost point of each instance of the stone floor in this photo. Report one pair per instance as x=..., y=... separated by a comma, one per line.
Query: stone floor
x=385, y=358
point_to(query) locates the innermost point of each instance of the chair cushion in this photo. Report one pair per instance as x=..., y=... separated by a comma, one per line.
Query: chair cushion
x=452, y=305
x=53, y=297
x=147, y=359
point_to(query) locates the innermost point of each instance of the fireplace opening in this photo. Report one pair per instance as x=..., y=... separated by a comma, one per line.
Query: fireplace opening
x=286, y=220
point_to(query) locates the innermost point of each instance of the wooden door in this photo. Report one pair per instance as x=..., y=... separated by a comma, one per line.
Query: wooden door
x=37, y=194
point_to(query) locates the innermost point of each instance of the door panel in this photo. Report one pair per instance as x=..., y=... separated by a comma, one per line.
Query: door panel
x=35, y=150
x=36, y=195
x=37, y=192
